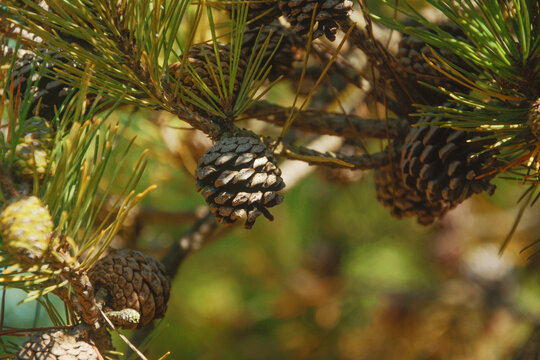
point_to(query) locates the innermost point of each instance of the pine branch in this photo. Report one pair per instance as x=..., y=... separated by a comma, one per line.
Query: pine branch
x=199, y=233
x=313, y=157
x=320, y=122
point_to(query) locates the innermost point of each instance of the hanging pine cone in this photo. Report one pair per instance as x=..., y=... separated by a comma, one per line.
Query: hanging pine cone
x=203, y=58
x=25, y=228
x=33, y=151
x=410, y=56
x=288, y=47
x=442, y=163
x=402, y=200
x=299, y=12
x=239, y=179
x=132, y=280
x=58, y=345
x=47, y=93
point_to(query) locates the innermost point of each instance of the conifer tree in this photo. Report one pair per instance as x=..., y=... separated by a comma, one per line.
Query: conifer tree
x=461, y=100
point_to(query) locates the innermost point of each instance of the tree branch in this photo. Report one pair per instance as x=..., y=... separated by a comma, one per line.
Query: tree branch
x=199, y=233
x=313, y=157
x=320, y=122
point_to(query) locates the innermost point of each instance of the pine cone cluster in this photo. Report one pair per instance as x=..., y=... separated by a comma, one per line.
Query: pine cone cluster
x=46, y=92
x=58, y=345
x=132, y=280
x=402, y=200
x=239, y=180
x=204, y=63
x=25, y=228
x=327, y=15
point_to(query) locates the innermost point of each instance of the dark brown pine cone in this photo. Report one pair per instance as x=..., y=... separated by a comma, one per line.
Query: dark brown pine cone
x=58, y=345
x=132, y=280
x=402, y=200
x=289, y=47
x=48, y=93
x=299, y=12
x=442, y=163
x=239, y=179
x=410, y=56
x=203, y=58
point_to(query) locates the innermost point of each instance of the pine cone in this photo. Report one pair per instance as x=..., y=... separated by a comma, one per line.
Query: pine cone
x=327, y=14
x=410, y=56
x=200, y=57
x=33, y=151
x=132, y=280
x=58, y=345
x=49, y=93
x=239, y=179
x=443, y=165
x=288, y=46
x=402, y=200
x=25, y=228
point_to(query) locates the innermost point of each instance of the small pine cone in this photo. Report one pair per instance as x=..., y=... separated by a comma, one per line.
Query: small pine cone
x=299, y=12
x=411, y=52
x=289, y=47
x=239, y=179
x=402, y=200
x=132, y=280
x=25, y=228
x=58, y=345
x=33, y=151
x=442, y=163
x=48, y=93
x=200, y=58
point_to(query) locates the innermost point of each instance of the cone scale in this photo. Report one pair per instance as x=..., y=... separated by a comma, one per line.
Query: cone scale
x=402, y=200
